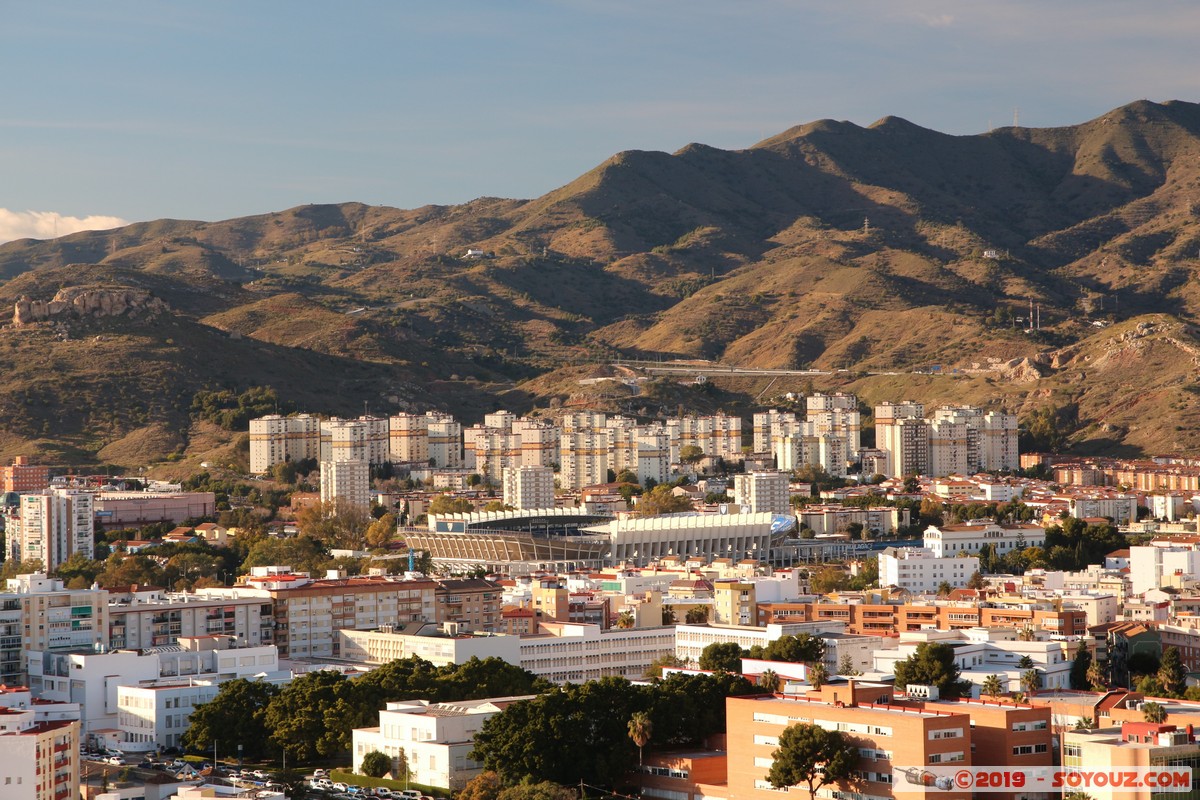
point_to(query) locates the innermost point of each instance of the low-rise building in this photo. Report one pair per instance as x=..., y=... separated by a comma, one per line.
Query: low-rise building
x=435, y=739
x=919, y=571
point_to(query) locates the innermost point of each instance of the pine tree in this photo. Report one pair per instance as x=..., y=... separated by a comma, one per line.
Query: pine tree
x=1171, y=673
x=1080, y=666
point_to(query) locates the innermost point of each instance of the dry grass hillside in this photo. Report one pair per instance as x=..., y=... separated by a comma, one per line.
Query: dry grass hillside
x=876, y=250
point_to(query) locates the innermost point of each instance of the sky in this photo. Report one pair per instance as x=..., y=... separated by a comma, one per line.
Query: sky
x=128, y=111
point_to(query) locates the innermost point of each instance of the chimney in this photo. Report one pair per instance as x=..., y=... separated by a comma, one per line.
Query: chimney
x=853, y=697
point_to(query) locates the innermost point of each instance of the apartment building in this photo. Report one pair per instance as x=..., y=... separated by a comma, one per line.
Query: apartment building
x=902, y=432
x=762, y=492
x=891, y=619
x=309, y=612
x=154, y=718
x=585, y=458
x=527, y=488
x=21, y=476
x=970, y=537
x=38, y=760
x=834, y=518
x=734, y=602
x=275, y=439
x=40, y=613
x=435, y=739
x=980, y=652
x=445, y=441
x=52, y=525
x=346, y=484
x=408, y=439
x=469, y=603
x=152, y=617
x=919, y=571
x=718, y=436
x=364, y=439
x=1135, y=744
x=690, y=640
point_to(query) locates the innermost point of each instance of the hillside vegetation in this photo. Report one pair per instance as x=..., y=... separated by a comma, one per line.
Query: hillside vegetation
x=865, y=252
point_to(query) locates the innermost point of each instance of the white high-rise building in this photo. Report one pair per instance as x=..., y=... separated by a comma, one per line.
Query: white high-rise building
x=918, y=570
x=275, y=439
x=408, y=438
x=585, y=459
x=363, y=439
x=53, y=525
x=528, y=488
x=717, y=436
x=998, y=442
x=445, y=441
x=902, y=432
x=762, y=491
x=346, y=484
x=768, y=425
x=950, y=448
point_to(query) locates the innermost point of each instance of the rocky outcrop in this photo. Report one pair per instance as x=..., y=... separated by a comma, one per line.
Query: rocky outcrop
x=84, y=301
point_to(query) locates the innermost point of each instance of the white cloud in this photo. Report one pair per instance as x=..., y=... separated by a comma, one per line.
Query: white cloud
x=48, y=224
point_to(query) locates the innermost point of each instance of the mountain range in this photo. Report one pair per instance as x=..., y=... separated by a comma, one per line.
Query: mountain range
x=1037, y=270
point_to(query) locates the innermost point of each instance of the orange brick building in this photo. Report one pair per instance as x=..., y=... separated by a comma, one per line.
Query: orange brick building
x=884, y=620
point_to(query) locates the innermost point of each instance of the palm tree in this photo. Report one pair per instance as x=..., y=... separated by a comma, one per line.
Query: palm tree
x=1084, y=724
x=769, y=680
x=1154, y=712
x=625, y=620
x=640, y=729
x=1026, y=634
x=1095, y=676
x=817, y=674
x=1030, y=680
x=992, y=686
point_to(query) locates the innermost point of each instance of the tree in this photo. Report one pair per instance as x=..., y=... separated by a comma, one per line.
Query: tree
x=445, y=504
x=298, y=718
x=543, y=790
x=668, y=615
x=1080, y=666
x=697, y=615
x=655, y=670
x=932, y=664
x=817, y=674
x=375, y=764
x=944, y=589
x=660, y=500
x=626, y=620
x=1154, y=712
x=690, y=454
x=640, y=729
x=828, y=579
x=1171, y=673
x=769, y=680
x=722, y=657
x=381, y=531
x=484, y=786
x=336, y=523
x=1025, y=662
x=235, y=716
x=1031, y=681
x=811, y=756
x=1096, y=678
x=846, y=666
x=992, y=686
x=802, y=648
x=1084, y=724
x=976, y=581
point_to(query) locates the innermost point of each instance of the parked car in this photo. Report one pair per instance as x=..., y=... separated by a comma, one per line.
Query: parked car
x=383, y=791
x=116, y=761
x=340, y=787
x=320, y=773
x=410, y=794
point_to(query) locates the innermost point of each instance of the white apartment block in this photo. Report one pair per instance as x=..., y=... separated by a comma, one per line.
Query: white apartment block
x=823, y=519
x=51, y=526
x=1121, y=509
x=718, y=436
x=434, y=738
x=970, y=537
x=408, y=438
x=980, y=652
x=768, y=425
x=998, y=442
x=275, y=439
x=528, y=487
x=1154, y=566
x=38, y=760
x=425, y=641
x=309, y=613
x=445, y=441
x=155, y=717
x=346, y=484
x=156, y=618
x=921, y=572
x=762, y=491
x=805, y=448
x=902, y=433
x=39, y=613
x=363, y=439
x=585, y=459
x=581, y=421
x=950, y=448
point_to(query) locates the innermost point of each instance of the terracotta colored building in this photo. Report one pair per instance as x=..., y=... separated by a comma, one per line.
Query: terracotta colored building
x=893, y=619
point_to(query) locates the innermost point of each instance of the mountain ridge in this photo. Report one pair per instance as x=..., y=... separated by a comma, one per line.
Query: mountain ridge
x=885, y=248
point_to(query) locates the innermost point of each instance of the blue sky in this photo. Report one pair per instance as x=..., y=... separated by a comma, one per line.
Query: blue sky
x=131, y=111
